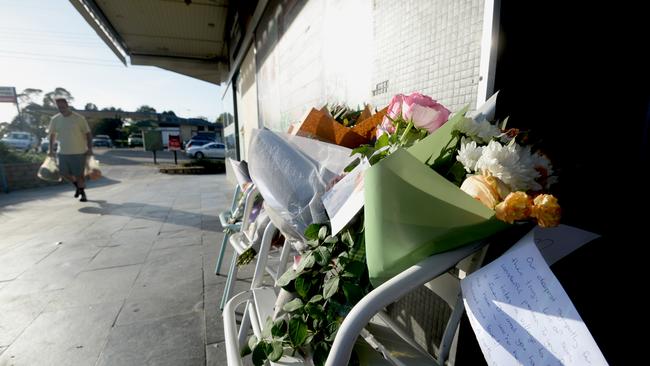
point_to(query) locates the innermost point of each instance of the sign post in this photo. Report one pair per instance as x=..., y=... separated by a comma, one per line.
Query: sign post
x=8, y=95
x=174, y=144
x=153, y=142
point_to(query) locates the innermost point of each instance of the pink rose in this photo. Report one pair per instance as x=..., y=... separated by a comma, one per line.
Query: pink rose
x=424, y=112
x=386, y=126
x=394, y=111
x=395, y=107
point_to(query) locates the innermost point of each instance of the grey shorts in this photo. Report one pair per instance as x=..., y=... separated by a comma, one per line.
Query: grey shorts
x=72, y=164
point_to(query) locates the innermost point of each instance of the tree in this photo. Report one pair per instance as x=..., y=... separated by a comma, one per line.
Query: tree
x=168, y=113
x=91, y=107
x=112, y=109
x=146, y=109
x=108, y=126
x=225, y=119
x=49, y=98
x=28, y=96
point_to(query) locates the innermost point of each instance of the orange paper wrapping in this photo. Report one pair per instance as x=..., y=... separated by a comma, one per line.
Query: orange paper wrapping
x=320, y=125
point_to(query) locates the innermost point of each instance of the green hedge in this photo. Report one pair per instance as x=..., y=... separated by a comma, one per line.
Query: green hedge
x=9, y=156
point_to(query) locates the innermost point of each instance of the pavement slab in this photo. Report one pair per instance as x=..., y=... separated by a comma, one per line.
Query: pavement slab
x=172, y=341
x=126, y=278
x=73, y=336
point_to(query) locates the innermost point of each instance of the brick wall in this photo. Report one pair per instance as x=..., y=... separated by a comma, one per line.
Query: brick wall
x=21, y=176
x=431, y=46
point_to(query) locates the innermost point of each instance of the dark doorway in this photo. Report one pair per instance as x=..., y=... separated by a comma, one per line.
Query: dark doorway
x=576, y=77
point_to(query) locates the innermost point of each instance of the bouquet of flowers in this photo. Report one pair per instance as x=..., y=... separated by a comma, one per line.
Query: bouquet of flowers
x=339, y=126
x=438, y=183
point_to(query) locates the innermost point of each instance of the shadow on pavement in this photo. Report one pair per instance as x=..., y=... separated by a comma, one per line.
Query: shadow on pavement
x=31, y=194
x=154, y=213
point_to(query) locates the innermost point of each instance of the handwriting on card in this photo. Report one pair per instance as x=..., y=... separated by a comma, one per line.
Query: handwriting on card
x=522, y=316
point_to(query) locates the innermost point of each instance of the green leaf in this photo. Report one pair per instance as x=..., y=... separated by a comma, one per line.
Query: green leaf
x=259, y=354
x=303, y=284
x=316, y=298
x=314, y=243
x=354, y=269
x=293, y=305
x=365, y=150
x=266, y=329
x=331, y=240
x=279, y=328
x=276, y=351
x=346, y=238
x=352, y=292
x=248, y=348
x=310, y=338
x=352, y=165
x=322, y=255
x=382, y=141
x=297, y=332
x=287, y=277
x=331, y=287
x=321, y=351
x=312, y=231
x=377, y=158
x=458, y=173
x=315, y=310
x=306, y=262
x=322, y=233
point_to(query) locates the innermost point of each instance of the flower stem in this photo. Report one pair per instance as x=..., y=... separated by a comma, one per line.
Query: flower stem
x=405, y=133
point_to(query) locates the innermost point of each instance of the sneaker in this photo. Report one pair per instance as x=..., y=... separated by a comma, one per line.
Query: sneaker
x=77, y=192
x=83, y=195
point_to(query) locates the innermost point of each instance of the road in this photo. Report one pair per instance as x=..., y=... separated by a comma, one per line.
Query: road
x=126, y=278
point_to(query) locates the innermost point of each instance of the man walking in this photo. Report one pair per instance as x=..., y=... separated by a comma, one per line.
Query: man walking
x=75, y=145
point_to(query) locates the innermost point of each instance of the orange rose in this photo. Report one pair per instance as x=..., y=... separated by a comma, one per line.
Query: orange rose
x=488, y=190
x=546, y=210
x=516, y=206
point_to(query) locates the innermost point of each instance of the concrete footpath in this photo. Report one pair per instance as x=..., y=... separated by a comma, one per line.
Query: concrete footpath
x=126, y=278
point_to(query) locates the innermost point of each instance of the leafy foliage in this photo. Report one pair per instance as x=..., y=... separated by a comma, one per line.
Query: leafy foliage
x=330, y=279
x=8, y=156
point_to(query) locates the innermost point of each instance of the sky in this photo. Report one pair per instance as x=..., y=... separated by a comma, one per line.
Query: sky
x=46, y=44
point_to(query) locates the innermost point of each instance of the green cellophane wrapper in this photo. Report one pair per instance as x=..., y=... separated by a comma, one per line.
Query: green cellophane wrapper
x=412, y=212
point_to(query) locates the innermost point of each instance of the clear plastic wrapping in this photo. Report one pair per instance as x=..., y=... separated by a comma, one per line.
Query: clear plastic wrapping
x=291, y=173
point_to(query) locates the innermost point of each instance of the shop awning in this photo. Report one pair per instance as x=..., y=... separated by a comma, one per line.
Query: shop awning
x=184, y=36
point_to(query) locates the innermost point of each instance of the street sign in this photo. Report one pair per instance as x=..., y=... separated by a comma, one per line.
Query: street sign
x=153, y=141
x=8, y=94
x=174, y=142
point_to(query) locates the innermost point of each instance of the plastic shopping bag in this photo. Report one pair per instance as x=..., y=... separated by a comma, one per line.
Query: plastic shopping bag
x=92, y=169
x=49, y=171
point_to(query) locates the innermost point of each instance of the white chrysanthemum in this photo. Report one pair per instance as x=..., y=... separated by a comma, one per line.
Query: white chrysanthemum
x=481, y=131
x=510, y=163
x=468, y=154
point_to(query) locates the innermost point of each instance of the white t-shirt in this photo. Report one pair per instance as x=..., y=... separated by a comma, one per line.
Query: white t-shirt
x=71, y=132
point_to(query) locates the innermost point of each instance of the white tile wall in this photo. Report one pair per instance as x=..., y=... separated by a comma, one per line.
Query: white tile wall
x=430, y=46
x=338, y=51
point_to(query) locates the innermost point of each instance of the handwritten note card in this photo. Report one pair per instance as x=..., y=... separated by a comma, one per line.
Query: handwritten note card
x=521, y=315
x=345, y=199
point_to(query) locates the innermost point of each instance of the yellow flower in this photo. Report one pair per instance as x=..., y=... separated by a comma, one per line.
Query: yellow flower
x=488, y=190
x=546, y=210
x=516, y=206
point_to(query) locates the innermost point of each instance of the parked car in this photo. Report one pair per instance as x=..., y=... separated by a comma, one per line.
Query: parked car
x=135, y=139
x=45, y=145
x=20, y=140
x=199, y=140
x=215, y=150
x=102, y=140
